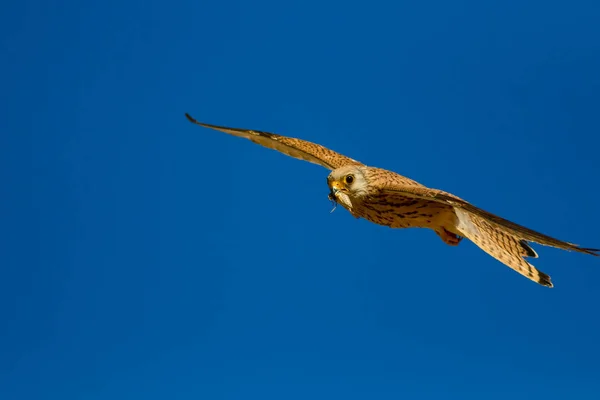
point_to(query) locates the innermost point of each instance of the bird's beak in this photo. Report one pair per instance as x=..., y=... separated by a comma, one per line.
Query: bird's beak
x=335, y=188
x=332, y=194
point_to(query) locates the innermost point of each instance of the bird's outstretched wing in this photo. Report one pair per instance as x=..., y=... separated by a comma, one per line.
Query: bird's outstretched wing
x=504, y=240
x=293, y=147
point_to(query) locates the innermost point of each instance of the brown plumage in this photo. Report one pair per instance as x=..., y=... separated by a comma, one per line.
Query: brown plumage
x=387, y=198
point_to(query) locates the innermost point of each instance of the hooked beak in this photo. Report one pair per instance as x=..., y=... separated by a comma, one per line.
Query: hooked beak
x=334, y=189
x=333, y=194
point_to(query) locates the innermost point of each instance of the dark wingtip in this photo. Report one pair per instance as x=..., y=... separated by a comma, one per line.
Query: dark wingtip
x=189, y=117
x=587, y=250
x=530, y=252
x=545, y=280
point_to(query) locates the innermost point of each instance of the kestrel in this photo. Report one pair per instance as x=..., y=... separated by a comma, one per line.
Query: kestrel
x=387, y=198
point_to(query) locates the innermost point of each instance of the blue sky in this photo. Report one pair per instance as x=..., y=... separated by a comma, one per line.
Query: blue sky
x=146, y=257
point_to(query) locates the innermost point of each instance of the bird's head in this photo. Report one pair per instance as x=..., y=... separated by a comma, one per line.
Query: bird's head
x=346, y=184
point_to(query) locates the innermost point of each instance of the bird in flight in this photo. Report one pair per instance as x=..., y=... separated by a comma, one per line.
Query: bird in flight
x=387, y=198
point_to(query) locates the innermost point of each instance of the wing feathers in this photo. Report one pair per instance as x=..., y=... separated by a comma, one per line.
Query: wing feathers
x=502, y=239
x=297, y=148
x=516, y=229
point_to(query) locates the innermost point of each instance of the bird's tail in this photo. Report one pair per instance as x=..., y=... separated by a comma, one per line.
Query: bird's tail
x=501, y=244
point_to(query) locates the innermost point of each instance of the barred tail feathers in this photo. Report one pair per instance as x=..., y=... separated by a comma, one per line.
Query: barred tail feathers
x=500, y=244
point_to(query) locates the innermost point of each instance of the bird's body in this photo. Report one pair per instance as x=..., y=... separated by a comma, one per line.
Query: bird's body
x=390, y=199
x=393, y=211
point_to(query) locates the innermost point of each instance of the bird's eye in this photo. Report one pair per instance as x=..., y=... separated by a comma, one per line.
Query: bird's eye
x=349, y=179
